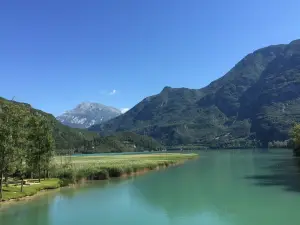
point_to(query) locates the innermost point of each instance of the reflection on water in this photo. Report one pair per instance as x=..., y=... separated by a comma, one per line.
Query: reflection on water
x=169, y=192
x=221, y=188
x=35, y=214
x=224, y=184
x=285, y=172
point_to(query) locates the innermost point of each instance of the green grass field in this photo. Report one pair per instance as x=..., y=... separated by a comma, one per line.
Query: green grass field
x=75, y=168
x=122, y=163
x=71, y=169
x=117, y=159
x=14, y=191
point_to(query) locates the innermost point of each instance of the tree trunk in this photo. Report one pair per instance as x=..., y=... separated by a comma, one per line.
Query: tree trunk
x=1, y=177
x=44, y=174
x=6, y=180
x=39, y=165
x=22, y=183
x=39, y=174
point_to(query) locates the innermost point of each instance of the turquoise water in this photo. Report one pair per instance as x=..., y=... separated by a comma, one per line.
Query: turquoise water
x=221, y=188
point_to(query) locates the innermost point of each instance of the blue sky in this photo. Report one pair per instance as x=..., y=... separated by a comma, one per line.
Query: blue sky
x=56, y=54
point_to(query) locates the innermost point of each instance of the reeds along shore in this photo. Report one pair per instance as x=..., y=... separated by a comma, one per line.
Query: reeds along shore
x=100, y=168
x=68, y=170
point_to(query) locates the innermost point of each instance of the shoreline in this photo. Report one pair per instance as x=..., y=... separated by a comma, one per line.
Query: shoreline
x=7, y=203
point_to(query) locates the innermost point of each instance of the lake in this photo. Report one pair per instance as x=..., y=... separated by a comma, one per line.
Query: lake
x=237, y=187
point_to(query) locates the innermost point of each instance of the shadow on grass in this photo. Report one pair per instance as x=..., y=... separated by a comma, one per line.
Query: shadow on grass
x=282, y=172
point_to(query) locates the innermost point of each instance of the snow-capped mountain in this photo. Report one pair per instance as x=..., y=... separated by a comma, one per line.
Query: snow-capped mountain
x=87, y=114
x=124, y=110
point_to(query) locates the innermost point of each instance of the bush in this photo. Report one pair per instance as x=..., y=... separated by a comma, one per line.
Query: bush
x=115, y=171
x=128, y=170
x=68, y=174
x=101, y=175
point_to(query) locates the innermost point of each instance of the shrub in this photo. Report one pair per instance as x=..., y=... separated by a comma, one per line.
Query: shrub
x=115, y=171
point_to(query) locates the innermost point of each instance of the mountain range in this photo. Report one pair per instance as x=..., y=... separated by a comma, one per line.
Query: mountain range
x=87, y=114
x=65, y=137
x=256, y=102
x=69, y=139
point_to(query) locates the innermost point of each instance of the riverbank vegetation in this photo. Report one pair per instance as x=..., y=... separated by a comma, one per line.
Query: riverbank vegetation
x=26, y=144
x=295, y=133
x=30, y=188
x=74, y=169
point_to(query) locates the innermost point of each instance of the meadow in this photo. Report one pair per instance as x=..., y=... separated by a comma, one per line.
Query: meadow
x=66, y=170
x=89, y=167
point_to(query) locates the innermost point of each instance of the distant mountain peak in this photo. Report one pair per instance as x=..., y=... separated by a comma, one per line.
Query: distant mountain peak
x=166, y=88
x=87, y=114
x=124, y=110
x=297, y=42
x=88, y=105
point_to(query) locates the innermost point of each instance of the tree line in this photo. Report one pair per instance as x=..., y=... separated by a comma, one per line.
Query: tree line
x=295, y=134
x=119, y=142
x=26, y=143
x=281, y=144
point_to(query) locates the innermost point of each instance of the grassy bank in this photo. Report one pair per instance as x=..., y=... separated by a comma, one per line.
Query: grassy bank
x=73, y=169
x=14, y=191
x=76, y=168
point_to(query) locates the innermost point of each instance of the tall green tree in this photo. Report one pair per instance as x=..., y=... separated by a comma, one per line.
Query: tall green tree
x=5, y=141
x=41, y=144
x=21, y=141
x=295, y=133
x=12, y=137
x=20, y=117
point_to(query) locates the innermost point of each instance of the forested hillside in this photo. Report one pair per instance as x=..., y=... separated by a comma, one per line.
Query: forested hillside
x=80, y=140
x=65, y=137
x=121, y=142
x=256, y=102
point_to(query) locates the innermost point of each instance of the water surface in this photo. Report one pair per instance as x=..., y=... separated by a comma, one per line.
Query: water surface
x=239, y=187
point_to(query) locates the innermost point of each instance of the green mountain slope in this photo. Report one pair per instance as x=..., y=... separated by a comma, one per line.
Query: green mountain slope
x=65, y=137
x=257, y=100
x=81, y=140
x=121, y=142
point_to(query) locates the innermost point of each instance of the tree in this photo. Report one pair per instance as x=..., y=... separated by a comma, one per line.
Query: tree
x=12, y=136
x=20, y=171
x=295, y=133
x=5, y=141
x=20, y=120
x=41, y=145
x=47, y=147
